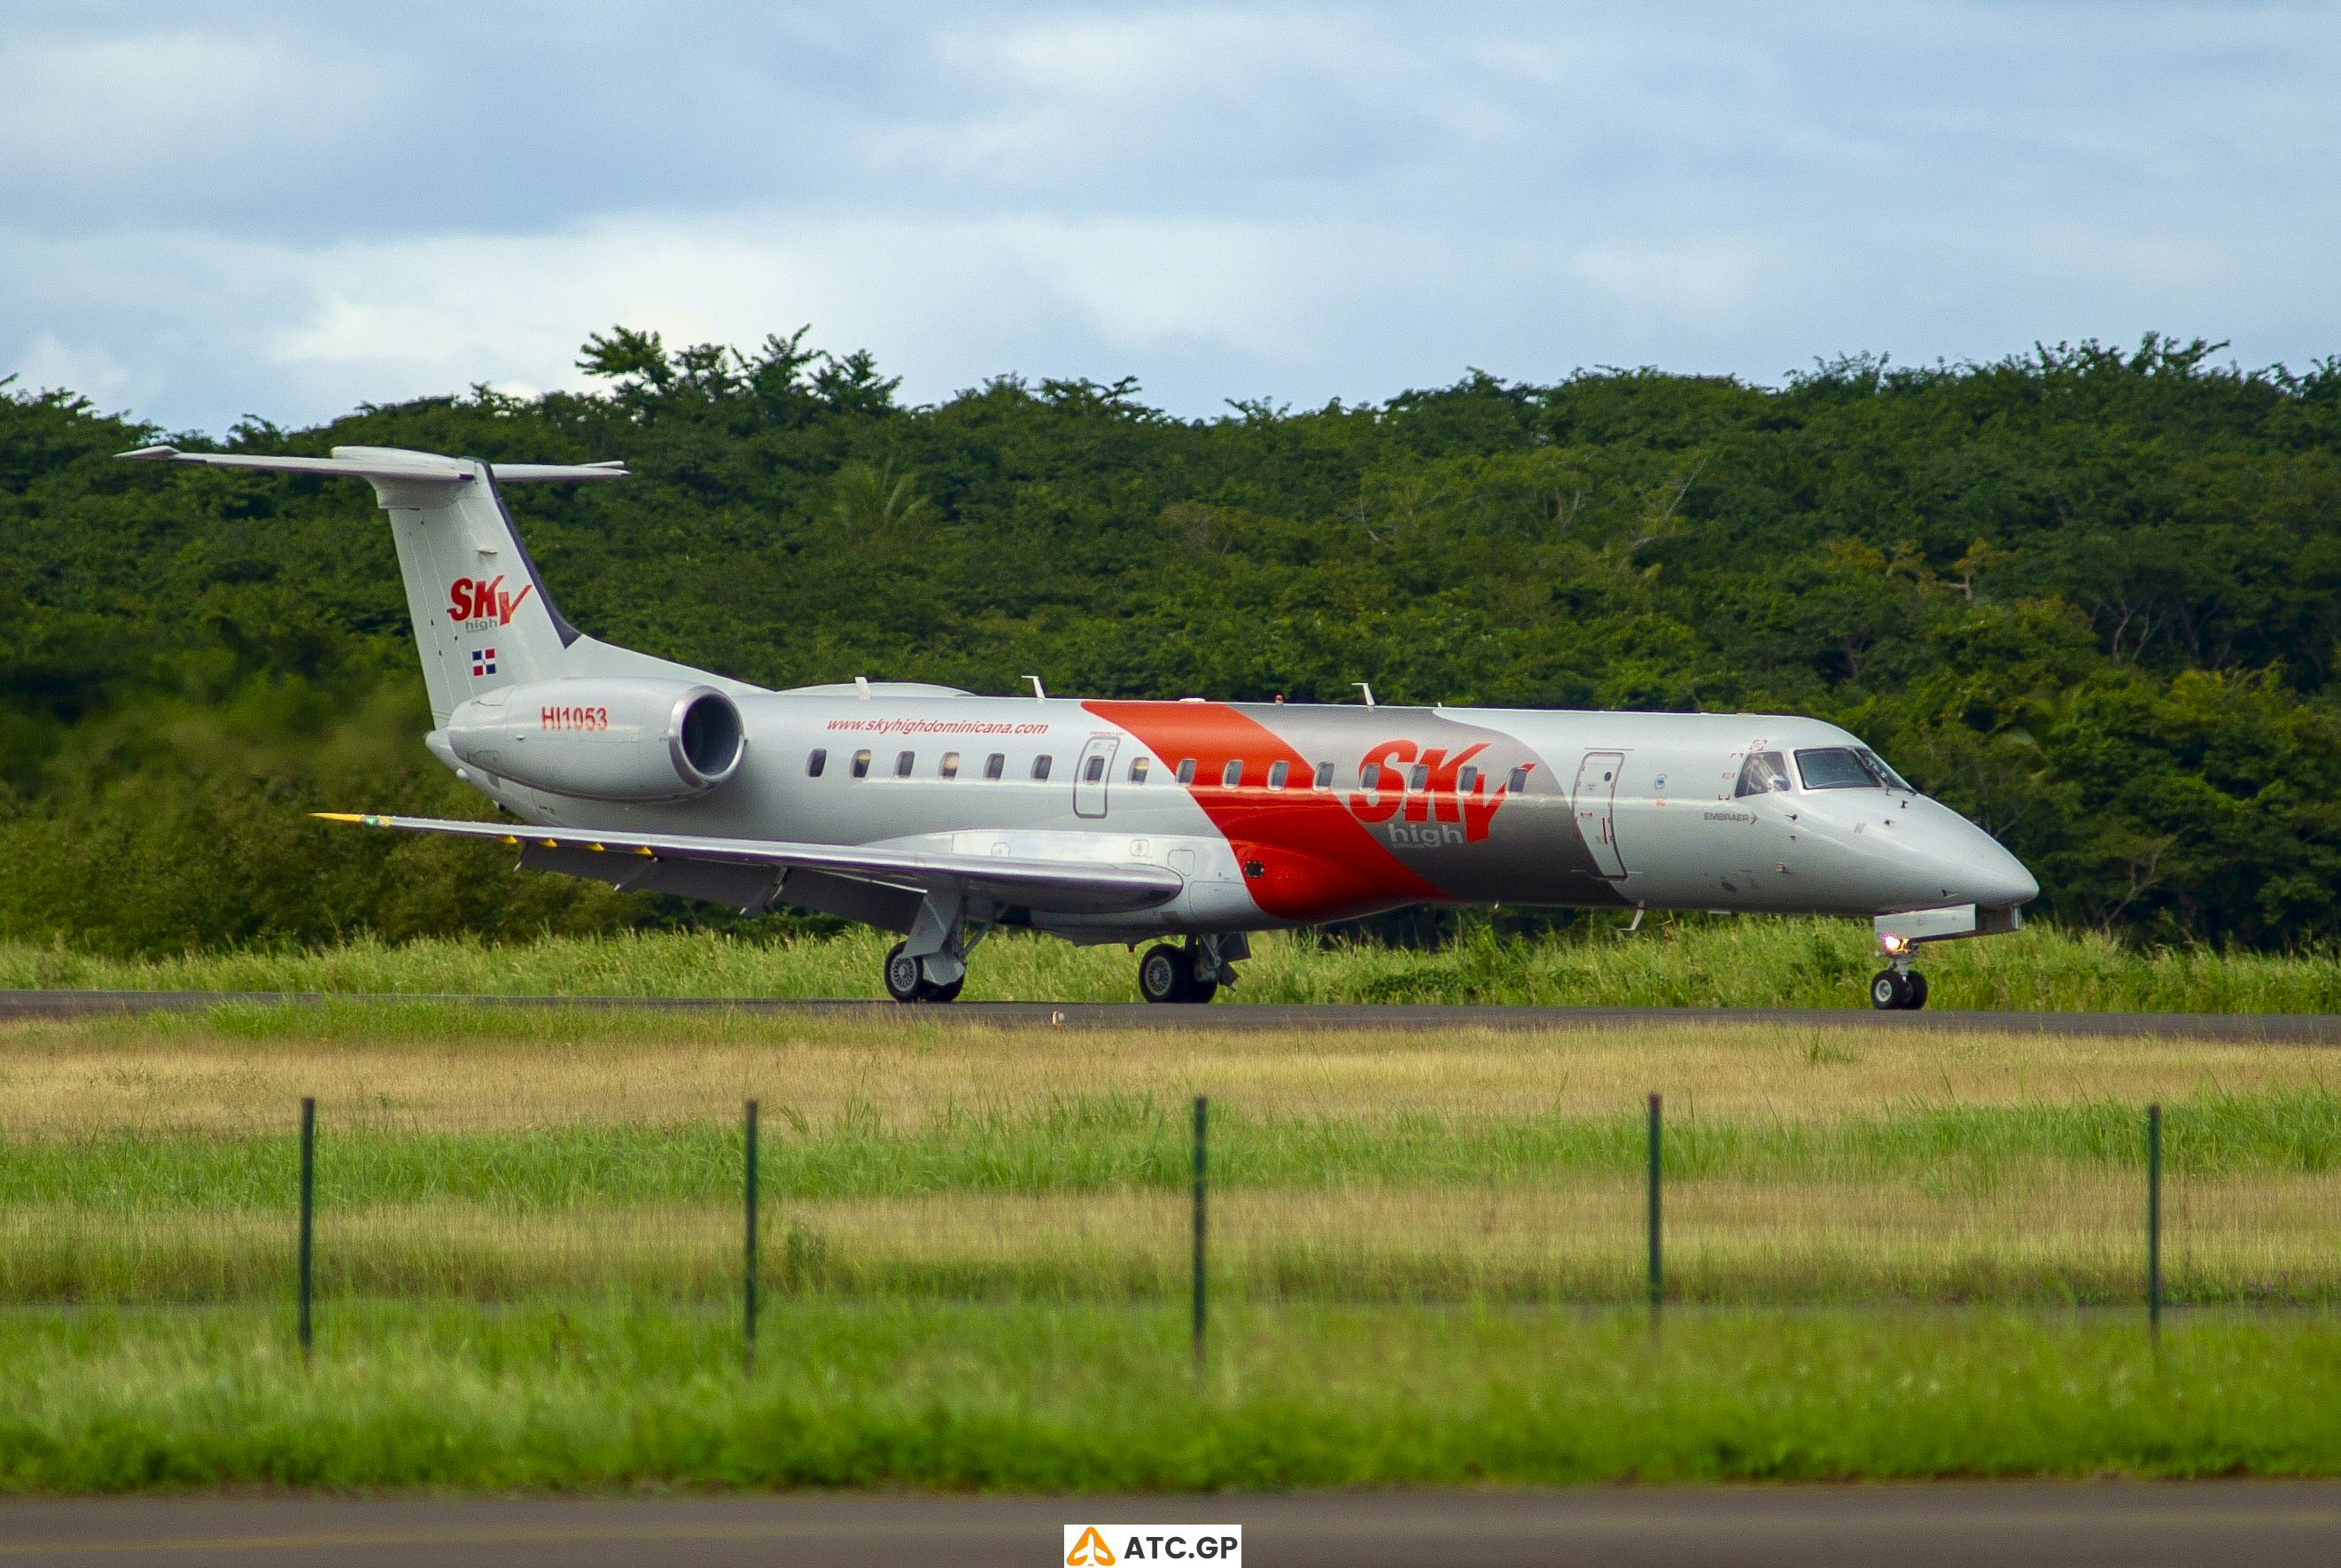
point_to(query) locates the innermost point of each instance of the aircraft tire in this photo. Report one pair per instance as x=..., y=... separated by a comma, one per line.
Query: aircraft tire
x=1165, y=975
x=1918, y=991
x=1889, y=991
x=906, y=979
x=1203, y=991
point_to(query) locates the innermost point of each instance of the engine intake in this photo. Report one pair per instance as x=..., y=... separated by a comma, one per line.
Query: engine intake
x=622, y=739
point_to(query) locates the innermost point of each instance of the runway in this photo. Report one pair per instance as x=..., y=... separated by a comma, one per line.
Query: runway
x=2137, y=1525
x=2295, y=1029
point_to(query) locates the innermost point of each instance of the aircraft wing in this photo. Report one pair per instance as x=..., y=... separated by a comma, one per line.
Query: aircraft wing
x=1056, y=887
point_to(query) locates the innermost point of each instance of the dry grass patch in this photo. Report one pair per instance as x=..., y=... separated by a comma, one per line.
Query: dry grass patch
x=84, y=1078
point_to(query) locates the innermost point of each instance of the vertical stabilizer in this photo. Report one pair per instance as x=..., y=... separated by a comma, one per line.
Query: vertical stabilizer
x=482, y=616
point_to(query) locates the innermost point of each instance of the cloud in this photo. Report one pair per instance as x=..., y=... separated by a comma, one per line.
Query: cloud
x=179, y=104
x=263, y=208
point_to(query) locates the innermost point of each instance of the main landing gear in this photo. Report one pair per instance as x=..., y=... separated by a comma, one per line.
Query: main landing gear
x=1193, y=973
x=1897, y=987
x=930, y=964
x=907, y=980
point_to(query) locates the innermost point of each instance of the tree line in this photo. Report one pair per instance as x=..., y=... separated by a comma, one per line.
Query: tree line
x=2085, y=595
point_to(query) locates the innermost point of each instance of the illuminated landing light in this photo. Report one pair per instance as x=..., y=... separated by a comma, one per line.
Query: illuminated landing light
x=1895, y=946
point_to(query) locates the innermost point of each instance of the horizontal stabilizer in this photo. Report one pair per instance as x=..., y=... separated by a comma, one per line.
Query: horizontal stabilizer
x=1056, y=887
x=383, y=463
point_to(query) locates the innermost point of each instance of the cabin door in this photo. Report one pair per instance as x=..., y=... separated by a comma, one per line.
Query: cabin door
x=1092, y=775
x=1596, y=809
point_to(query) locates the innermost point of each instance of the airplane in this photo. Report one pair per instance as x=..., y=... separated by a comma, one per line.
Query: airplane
x=1182, y=826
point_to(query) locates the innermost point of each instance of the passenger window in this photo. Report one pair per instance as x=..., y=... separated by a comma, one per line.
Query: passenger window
x=1467, y=782
x=1040, y=766
x=816, y=762
x=995, y=765
x=861, y=764
x=1095, y=770
x=1418, y=776
x=904, y=762
x=1186, y=770
x=1324, y=776
x=1278, y=772
x=1138, y=768
x=1232, y=774
x=1763, y=773
x=1520, y=778
x=949, y=766
x=1834, y=767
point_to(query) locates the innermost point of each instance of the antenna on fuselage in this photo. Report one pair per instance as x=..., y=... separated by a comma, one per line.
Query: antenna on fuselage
x=1368, y=689
x=1038, y=694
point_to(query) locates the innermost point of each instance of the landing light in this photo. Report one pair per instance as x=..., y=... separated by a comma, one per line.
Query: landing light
x=1895, y=946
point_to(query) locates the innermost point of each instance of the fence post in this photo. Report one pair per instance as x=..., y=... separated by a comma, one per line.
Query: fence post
x=2154, y=1218
x=748, y=1273
x=1657, y=1258
x=1202, y=1115
x=308, y=1211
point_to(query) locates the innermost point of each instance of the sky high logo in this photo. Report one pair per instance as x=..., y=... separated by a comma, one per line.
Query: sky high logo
x=474, y=602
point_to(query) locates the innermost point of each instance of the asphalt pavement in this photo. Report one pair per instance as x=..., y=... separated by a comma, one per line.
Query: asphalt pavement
x=2135, y=1525
x=2295, y=1029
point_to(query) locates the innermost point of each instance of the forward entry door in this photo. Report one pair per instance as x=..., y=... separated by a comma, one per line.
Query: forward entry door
x=1092, y=774
x=1596, y=809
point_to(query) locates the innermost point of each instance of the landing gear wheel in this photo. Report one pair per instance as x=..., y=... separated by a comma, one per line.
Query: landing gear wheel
x=1918, y=992
x=1166, y=974
x=1890, y=991
x=906, y=979
x=1203, y=990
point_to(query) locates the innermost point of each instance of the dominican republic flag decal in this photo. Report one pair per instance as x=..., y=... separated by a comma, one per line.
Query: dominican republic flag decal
x=483, y=661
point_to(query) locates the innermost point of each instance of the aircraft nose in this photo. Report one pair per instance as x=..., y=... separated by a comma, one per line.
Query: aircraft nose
x=1987, y=875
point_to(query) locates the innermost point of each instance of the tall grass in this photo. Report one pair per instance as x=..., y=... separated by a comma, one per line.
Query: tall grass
x=1738, y=963
x=1041, y=1396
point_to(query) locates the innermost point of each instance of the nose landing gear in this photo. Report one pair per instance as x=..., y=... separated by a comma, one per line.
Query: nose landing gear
x=1898, y=988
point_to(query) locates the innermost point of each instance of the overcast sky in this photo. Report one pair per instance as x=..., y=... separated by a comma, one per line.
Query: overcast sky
x=286, y=209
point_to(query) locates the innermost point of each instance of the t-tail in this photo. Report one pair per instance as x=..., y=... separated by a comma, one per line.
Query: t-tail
x=483, y=619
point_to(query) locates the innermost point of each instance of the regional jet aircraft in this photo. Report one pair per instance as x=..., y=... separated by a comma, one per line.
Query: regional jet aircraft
x=1182, y=826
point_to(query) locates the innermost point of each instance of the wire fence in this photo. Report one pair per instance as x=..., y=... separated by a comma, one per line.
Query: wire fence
x=345, y=1203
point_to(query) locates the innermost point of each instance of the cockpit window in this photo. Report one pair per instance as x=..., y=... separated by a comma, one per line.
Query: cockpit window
x=1762, y=773
x=1836, y=768
x=1889, y=778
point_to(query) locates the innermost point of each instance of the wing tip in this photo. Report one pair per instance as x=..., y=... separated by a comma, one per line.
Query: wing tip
x=362, y=818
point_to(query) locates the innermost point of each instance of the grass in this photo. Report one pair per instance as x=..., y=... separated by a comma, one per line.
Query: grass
x=1689, y=962
x=975, y=1242
x=1093, y=1398
x=515, y=1156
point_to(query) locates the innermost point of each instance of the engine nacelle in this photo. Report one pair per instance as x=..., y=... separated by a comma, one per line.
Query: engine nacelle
x=626, y=737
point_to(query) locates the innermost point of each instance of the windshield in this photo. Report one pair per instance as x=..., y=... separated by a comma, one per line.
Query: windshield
x=1836, y=768
x=1876, y=765
x=1762, y=773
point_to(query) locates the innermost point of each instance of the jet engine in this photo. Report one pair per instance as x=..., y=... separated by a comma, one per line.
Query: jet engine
x=625, y=738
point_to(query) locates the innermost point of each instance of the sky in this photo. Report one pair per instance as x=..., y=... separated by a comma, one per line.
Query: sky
x=281, y=210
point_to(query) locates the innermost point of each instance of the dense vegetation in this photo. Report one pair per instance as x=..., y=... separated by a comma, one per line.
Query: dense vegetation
x=2086, y=596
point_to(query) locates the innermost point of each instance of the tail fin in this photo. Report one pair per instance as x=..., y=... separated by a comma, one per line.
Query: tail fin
x=482, y=616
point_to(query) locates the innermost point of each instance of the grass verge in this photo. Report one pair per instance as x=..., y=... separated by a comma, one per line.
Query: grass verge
x=1690, y=962
x=1088, y=1398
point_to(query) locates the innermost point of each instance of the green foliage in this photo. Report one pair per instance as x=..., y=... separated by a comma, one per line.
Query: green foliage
x=1084, y=1398
x=2087, y=596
